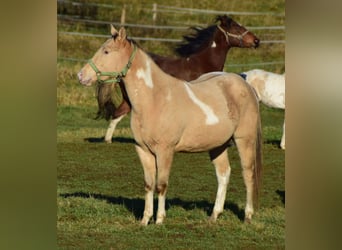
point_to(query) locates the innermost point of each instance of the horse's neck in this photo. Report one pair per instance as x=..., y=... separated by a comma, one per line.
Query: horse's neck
x=214, y=55
x=146, y=84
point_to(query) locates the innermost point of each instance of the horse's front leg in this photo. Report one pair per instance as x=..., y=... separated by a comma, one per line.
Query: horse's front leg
x=149, y=164
x=164, y=162
x=222, y=167
x=119, y=113
x=111, y=128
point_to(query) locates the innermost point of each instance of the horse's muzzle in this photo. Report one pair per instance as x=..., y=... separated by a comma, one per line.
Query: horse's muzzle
x=84, y=81
x=256, y=43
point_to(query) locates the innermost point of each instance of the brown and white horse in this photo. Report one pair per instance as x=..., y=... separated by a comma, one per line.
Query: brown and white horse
x=171, y=115
x=201, y=52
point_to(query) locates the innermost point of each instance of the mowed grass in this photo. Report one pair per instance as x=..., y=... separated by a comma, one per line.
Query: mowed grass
x=100, y=192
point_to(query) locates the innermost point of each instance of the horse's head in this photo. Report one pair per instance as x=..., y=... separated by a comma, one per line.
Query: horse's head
x=235, y=34
x=111, y=62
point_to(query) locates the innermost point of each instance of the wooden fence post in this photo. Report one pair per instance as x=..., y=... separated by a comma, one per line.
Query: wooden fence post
x=154, y=10
x=123, y=15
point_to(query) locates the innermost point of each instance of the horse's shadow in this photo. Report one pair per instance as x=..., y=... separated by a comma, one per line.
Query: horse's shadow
x=114, y=139
x=281, y=194
x=273, y=142
x=136, y=205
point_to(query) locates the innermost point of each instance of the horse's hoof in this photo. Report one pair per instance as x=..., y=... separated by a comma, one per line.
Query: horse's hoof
x=212, y=219
x=159, y=222
x=144, y=222
x=248, y=220
x=160, y=219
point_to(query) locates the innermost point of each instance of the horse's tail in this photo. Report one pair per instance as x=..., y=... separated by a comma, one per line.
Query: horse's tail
x=258, y=164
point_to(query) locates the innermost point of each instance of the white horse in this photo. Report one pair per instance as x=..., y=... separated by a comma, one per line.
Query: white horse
x=270, y=89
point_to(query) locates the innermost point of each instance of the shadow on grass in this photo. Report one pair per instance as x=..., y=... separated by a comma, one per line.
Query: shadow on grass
x=115, y=139
x=281, y=193
x=136, y=205
x=273, y=142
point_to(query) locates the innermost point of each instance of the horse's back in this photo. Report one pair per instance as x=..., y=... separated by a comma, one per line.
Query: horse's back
x=229, y=92
x=230, y=84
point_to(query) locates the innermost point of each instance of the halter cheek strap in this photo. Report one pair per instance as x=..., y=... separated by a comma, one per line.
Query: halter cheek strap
x=113, y=77
x=227, y=35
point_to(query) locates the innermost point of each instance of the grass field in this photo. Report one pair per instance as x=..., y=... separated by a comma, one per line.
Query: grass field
x=101, y=195
x=100, y=187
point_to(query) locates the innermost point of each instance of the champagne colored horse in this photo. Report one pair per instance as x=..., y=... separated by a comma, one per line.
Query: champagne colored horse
x=270, y=89
x=204, y=51
x=170, y=115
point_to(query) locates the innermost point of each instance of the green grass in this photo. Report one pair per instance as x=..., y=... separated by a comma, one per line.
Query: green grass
x=100, y=187
x=101, y=193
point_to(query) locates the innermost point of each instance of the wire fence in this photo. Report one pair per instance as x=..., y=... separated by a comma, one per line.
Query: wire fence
x=155, y=11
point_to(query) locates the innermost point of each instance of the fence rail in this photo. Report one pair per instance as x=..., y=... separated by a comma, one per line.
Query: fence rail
x=164, y=8
x=156, y=8
x=147, y=38
x=226, y=65
x=152, y=26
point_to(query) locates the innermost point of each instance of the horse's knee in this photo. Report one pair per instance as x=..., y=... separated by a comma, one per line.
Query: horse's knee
x=161, y=187
x=149, y=187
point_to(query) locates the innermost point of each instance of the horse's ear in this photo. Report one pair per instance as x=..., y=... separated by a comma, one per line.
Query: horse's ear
x=113, y=31
x=122, y=33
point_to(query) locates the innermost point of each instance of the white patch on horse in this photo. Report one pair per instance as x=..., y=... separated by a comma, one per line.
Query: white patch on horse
x=209, y=113
x=213, y=45
x=146, y=75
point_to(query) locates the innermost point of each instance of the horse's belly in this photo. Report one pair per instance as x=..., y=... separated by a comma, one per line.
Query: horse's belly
x=199, y=139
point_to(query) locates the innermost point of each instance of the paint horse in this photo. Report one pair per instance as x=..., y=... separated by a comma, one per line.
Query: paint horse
x=205, y=51
x=270, y=89
x=171, y=115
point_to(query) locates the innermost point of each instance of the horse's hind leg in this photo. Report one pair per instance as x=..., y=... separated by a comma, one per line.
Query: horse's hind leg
x=149, y=164
x=220, y=160
x=111, y=128
x=246, y=148
x=282, y=143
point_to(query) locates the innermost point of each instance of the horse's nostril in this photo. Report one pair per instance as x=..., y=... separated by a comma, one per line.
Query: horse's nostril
x=256, y=42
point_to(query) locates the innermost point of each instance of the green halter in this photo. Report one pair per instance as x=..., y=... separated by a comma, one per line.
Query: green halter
x=114, y=77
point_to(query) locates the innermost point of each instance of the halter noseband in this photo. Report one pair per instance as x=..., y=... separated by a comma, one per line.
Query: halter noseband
x=227, y=34
x=116, y=76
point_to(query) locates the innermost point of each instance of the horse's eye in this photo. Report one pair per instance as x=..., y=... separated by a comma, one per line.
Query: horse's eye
x=106, y=52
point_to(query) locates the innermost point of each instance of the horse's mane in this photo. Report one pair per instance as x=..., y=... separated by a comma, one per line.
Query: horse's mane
x=195, y=42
